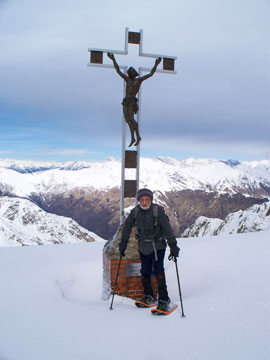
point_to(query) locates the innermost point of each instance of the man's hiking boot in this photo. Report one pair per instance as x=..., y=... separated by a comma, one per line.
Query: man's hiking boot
x=149, y=299
x=163, y=305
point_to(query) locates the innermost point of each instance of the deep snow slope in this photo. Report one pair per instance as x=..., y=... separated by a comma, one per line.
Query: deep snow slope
x=256, y=218
x=51, y=307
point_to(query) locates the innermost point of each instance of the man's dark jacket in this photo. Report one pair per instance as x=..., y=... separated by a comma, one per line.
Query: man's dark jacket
x=146, y=230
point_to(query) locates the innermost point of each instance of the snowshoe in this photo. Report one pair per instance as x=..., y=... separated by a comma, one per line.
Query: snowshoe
x=146, y=302
x=164, y=308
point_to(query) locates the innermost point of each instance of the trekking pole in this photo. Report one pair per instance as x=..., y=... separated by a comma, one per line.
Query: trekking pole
x=174, y=259
x=111, y=308
x=179, y=288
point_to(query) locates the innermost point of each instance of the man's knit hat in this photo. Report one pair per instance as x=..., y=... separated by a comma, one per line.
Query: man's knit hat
x=144, y=192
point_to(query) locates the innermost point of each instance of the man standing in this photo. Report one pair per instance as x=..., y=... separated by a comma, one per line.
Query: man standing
x=152, y=228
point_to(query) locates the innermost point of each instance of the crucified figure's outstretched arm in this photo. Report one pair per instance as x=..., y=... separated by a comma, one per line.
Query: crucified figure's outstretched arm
x=116, y=66
x=147, y=76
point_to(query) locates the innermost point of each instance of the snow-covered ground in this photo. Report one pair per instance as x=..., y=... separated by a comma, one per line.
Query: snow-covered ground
x=51, y=307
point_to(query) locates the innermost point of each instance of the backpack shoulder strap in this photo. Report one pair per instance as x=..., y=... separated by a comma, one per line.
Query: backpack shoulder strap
x=136, y=210
x=155, y=213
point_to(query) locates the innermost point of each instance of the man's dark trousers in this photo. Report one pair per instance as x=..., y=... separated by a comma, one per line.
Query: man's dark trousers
x=150, y=265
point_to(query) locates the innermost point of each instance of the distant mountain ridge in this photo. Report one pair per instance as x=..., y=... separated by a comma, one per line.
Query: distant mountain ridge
x=31, y=166
x=89, y=192
x=160, y=174
x=28, y=166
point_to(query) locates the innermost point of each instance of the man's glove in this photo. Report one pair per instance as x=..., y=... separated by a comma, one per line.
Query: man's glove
x=122, y=248
x=174, y=251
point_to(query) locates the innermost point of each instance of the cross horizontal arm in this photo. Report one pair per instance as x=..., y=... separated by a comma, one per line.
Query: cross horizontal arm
x=108, y=66
x=125, y=52
x=120, y=52
x=141, y=69
x=157, y=56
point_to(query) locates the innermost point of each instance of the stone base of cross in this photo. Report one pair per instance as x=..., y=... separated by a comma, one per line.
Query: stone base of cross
x=130, y=159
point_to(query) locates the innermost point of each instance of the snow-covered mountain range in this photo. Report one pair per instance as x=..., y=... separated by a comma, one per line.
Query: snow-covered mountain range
x=160, y=174
x=29, y=166
x=256, y=218
x=24, y=223
x=89, y=192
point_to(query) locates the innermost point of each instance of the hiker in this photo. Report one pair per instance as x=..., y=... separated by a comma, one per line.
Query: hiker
x=130, y=102
x=152, y=228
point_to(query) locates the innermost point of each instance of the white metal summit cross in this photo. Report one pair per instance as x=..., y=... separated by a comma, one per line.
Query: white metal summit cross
x=130, y=159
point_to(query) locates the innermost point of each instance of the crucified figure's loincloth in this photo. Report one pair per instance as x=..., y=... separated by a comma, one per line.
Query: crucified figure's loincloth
x=130, y=108
x=131, y=103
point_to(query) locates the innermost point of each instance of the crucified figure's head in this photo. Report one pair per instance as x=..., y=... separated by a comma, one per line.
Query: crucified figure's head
x=132, y=73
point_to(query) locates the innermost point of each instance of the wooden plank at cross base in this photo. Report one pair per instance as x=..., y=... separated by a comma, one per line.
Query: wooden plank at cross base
x=168, y=64
x=130, y=187
x=96, y=57
x=130, y=159
x=134, y=37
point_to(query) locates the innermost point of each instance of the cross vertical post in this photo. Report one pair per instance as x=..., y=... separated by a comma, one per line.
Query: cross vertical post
x=130, y=158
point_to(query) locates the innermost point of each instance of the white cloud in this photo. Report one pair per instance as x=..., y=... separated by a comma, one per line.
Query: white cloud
x=6, y=152
x=68, y=152
x=183, y=147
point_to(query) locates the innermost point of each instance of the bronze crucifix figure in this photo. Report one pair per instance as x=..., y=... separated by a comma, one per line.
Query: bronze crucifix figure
x=130, y=102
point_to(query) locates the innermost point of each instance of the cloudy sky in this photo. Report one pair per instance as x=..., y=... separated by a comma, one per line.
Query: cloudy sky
x=54, y=107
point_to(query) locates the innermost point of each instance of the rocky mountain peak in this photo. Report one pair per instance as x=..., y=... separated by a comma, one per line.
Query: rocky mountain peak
x=255, y=218
x=24, y=223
